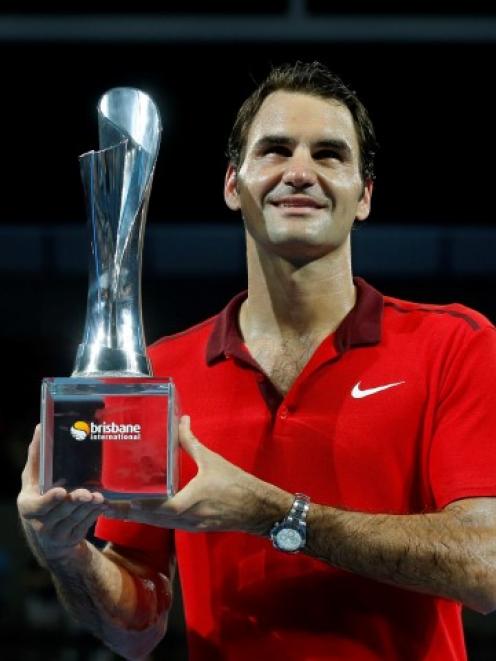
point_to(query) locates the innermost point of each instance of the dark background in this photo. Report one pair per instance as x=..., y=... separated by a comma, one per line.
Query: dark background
x=427, y=79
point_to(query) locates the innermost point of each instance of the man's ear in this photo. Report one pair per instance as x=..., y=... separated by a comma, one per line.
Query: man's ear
x=231, y=195
x=365, y=202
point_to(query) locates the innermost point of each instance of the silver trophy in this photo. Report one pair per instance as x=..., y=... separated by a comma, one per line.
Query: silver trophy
x=112, y=426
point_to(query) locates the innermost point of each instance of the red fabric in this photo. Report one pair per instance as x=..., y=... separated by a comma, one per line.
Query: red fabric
x=411, y=448
x=137, y=466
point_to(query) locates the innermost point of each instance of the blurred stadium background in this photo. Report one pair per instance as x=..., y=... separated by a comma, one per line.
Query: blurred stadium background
x=427, y=78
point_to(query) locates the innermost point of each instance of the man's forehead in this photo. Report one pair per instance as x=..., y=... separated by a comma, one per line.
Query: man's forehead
x=284, y=111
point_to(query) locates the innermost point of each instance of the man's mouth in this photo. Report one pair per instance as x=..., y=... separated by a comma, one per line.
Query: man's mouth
x=297, y=202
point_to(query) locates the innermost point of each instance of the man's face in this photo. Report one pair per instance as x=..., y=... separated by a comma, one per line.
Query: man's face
x=299, y=187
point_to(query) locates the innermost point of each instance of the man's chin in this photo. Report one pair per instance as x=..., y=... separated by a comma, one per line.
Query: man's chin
x=300, y=252
x=297, y=246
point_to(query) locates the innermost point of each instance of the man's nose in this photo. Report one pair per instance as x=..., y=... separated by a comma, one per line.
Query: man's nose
x=299, y=172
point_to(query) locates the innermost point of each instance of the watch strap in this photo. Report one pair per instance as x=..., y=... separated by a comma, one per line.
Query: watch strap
x=299, y=509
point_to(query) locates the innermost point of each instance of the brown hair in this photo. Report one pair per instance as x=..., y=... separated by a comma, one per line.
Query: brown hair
x=310, y=78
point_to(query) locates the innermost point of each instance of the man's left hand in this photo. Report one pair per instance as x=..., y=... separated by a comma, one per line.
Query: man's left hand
x=220, y=497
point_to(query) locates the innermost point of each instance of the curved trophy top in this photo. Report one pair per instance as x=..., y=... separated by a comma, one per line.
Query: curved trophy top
x=126, y=112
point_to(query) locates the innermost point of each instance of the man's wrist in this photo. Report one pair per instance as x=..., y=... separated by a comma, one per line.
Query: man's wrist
x=274, y=504
x=71, y=558
x=51, y=558
x=284, y=503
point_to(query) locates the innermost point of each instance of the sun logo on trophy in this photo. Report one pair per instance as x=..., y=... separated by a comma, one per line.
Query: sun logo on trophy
x=80, y=430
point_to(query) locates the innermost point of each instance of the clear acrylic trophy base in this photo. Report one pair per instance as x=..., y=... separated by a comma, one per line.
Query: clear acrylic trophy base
x=116, y=435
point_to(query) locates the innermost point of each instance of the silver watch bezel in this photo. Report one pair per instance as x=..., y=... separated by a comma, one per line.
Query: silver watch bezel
x=280, y=542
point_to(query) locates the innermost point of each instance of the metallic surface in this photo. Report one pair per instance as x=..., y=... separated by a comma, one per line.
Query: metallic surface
x=117, y=183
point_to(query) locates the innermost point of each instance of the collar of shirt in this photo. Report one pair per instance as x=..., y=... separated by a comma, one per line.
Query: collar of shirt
x=361, y=326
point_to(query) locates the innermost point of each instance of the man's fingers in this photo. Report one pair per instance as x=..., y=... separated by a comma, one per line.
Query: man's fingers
x=31, y=506
x=65, y=523
x=56, y=502
x=70, y=510
x=30, y=474
x=83, y=496
x=184, y=499
x=82, y=527
x=189, y=442
x=172, y=507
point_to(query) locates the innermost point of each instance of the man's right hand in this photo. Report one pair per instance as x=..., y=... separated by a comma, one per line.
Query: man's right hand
x=57, y=522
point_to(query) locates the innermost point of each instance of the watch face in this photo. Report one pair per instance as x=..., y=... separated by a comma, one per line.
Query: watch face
x=289, y=539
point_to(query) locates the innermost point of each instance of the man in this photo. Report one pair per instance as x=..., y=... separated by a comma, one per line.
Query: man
x=351, y=428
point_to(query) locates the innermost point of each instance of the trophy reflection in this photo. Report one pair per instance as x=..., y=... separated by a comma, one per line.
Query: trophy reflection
x=112, y=427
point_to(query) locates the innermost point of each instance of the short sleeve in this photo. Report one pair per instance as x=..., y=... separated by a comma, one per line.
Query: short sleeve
x=462, y=461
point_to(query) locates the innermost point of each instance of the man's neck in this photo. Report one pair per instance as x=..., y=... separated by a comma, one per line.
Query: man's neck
x=286, y=302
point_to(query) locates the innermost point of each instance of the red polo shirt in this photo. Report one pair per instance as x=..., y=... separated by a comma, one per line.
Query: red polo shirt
x=344, y=438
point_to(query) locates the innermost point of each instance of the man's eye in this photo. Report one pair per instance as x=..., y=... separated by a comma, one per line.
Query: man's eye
x=280, y=150
x=323, y=154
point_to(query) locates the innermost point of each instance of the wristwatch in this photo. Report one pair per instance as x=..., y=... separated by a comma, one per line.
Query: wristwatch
x=290, y=534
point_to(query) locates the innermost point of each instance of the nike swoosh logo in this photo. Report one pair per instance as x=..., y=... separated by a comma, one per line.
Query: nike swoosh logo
x=357, y=393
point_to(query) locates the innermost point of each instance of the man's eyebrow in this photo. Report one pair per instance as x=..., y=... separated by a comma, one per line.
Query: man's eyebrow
x=334, y=143
x=273, y=140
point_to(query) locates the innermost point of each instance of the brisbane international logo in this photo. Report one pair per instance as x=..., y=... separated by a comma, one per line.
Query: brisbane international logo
x=105, y=431
x=80, y=430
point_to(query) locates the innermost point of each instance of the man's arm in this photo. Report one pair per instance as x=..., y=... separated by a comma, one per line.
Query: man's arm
x=451, y=553
x=120, y=595
x=120, y=600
